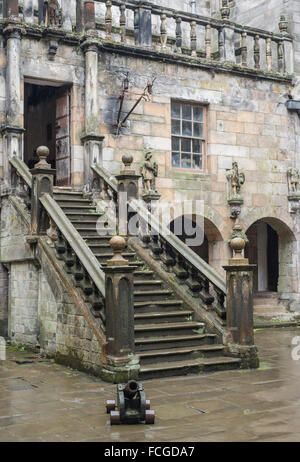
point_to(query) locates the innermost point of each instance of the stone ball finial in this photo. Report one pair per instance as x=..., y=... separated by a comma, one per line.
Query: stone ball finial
x=118, y=244
x=43, y=153
x=127, y=160
x=238, y=242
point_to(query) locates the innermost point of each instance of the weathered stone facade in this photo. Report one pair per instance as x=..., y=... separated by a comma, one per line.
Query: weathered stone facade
x=244, y=93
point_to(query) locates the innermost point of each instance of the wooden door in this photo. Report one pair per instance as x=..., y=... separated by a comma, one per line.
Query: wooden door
x=63, y=139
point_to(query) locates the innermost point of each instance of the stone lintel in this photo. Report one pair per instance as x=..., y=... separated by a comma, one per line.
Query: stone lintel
x=92, y=137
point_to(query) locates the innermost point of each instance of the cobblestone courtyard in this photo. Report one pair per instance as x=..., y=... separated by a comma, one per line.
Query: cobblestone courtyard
x=44, y=401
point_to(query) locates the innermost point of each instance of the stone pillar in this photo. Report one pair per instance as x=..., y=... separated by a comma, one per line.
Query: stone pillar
x=92, y=140
x=239, y=304
x=121, y=362
x=143, y=25
x=12, y=131
x=288, y=52
x=28, y=11
x=42, y=183
x=128, y=188
x=68, y=9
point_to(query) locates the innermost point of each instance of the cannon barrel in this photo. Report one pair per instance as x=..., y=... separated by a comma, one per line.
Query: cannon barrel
x=131, y=389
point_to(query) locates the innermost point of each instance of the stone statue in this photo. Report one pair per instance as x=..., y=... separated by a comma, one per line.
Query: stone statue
x=149, y=171
x=235, y=179
x=53, y=13
x=293, y=180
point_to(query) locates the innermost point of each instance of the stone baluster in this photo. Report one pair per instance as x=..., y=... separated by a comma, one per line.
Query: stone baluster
x=78, y=272
x=123, y=22
x=239, y=337
x=108, y=19
x=244, y=48
x=225, y=10
x=178, y=35
x=205, y=295
x=60, y=246
x=221, y=44
x=89, y=15
x=220, y=301
x=121, y=362
x=280, y=57
x=143, y=25
x=155, y=246
x=269, y=54
x=288, y=54
x=208, y=41
x=193, y=37
x=228, y=34
x=163, y=30
x=28, y=11
x=166, y=257
x=179, y=270
x=256, y=52
x=10, y=9
x=192, y=281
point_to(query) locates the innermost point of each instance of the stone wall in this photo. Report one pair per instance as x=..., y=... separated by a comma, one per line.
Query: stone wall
x=40, y=311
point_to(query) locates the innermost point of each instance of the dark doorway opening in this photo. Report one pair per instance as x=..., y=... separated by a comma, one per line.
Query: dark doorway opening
x=47, y=123
x=179, y=225
x=262, y=250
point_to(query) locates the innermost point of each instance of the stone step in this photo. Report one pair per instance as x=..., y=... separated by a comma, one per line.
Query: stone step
x=193, y=366
x=173, y=341
x=131, y=263
x=143, y=295
x=168, y=329
x=143, y=274
x=147, y=284
x=167, y=316
x=269, y=309
x=71, y=205
x=173, y=354
x=265, y=301
x=62, y=194
x=150, y=306
x=103, y=257
x=83, y=217
x=93, y=230
x=95, y=239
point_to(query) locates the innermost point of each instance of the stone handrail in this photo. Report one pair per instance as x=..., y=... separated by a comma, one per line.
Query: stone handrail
x=110, y=180
x=22, y=170
x=73, y=238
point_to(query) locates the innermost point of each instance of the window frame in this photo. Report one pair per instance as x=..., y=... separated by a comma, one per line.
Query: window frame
x=204, y=106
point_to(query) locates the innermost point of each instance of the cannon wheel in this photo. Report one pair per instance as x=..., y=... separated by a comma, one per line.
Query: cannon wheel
x=110, y=405
x=115, y=418
x=150, y=417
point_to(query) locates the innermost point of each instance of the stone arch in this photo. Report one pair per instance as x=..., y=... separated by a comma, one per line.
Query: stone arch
x=214, y=249
x=283, y=264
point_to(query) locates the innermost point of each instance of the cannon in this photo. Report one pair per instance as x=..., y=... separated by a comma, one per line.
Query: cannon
x=132, y=407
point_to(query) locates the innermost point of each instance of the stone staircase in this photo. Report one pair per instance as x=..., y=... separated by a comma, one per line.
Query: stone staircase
x=168, y=340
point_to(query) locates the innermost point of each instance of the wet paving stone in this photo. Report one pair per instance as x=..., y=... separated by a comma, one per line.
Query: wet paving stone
x=42, y=401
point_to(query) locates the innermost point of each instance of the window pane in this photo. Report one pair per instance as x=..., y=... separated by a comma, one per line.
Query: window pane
x=186, y=112
x=185, y=145
x=186, y=161
x=198, y=114
x=198, y=130
x=186, y=128
x=176, y=127
x=197, y=146
x=197, y=162
x=175, y=144
x=175, y=110
x=175, y=160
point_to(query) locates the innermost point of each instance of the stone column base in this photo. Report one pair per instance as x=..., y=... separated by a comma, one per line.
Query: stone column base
x=247, y=353
x=120, y=370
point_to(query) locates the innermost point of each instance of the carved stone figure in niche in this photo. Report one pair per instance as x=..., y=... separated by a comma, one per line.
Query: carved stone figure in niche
x=235, y=179
x=293, y=180
x=53, y=13
x=149, y=171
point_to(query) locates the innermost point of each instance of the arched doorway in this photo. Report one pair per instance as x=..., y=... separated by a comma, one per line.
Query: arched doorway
x=270, y=247
x=210, y=246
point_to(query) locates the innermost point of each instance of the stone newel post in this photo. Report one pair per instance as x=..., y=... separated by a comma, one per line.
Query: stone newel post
x=42, y=183
x=122, y=364
x=128, y=188
x=239, y=303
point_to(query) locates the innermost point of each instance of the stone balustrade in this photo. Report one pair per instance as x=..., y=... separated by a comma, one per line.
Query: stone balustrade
x=167, y=31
